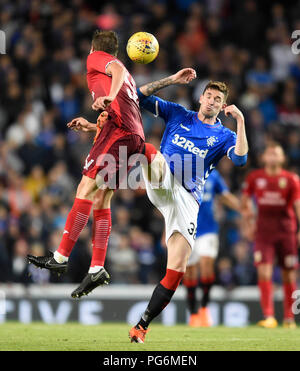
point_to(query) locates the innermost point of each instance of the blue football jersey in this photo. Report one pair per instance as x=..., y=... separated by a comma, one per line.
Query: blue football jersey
x=206, y=222
x=191, y=148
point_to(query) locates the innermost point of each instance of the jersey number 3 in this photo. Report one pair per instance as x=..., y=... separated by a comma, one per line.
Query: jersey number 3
x=192, y=230
x=130, y=87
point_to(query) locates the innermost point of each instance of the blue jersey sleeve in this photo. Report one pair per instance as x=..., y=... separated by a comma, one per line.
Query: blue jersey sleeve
x=160, y=107
x=230, y=142
x=220, y=185
x=229, y=149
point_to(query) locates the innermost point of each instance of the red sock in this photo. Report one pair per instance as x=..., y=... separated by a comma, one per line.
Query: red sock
x=190, y=282
x=150, y=151
x=191, y=285
x=266, y=298
x=101, y=232
x=288, y=301
x=172, y=279
x=76, y=221
x=207, y=280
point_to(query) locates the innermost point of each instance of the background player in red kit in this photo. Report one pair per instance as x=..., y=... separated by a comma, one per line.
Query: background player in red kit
x=277, y=195
x=113, y=90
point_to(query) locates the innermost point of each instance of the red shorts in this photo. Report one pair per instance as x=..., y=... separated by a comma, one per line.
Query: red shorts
x=109, y=155
x=283, y=247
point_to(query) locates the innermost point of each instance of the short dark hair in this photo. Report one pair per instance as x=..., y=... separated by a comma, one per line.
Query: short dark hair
x=106, y=41
x=273, y=144
x=218, y=85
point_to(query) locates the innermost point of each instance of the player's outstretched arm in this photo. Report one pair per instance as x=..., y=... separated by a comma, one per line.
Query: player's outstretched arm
x=230, y=200
x=117, y=72
x=81, y=124
x=183, y=76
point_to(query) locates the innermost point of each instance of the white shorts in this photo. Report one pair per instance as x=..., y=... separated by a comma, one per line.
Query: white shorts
x=206, y=245
x=177, y=205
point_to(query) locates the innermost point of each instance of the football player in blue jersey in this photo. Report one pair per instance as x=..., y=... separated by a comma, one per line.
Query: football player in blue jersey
x=206, y=248
x=192, y=145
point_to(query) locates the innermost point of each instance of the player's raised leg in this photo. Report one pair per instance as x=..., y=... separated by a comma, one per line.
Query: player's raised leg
x=154, y=166
x=178, y=253
x=75, y=223
x=97, y=275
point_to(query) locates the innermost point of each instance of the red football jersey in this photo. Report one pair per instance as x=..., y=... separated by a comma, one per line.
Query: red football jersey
x=124, y=110
x=275, y=197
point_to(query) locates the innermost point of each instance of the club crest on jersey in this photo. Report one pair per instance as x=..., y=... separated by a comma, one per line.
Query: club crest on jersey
x=282, y=182
x=211, y=141
x=261, y=183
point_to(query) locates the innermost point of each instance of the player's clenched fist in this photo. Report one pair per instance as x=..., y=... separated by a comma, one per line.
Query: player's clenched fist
x=234, y=112
x=102, y=103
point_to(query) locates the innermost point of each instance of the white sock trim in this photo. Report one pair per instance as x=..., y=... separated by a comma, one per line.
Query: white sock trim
x=95, y=269
x=60, y=258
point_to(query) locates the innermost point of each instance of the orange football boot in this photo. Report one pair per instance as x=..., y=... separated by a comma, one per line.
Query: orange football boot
x=269, y=322
x=289, y=323
x=205, y=317
x=194, y=320
x=137, y=335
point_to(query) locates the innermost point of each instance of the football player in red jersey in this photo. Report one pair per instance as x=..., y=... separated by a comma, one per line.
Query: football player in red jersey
x=277, y=196
x=114, y=93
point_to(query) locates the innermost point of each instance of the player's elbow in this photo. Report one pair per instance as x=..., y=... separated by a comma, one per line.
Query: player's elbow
x=239, y=160
x=148, y=102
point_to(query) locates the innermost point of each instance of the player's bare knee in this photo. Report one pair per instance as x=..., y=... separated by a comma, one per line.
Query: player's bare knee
x=156, y=170
x=289, y=275
x=264, y=274
x=178, y=268
x=86, y=189
x=177, y=264
x=98, y=200
x=102, y=198
x=191, y=272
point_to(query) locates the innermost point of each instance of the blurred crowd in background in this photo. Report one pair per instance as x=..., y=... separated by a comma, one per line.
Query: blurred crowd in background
x=246, y=43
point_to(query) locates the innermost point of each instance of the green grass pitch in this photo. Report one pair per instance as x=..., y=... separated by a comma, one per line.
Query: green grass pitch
x=111, y=336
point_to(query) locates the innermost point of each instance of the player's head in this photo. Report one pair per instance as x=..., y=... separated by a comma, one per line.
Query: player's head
x=213, y=99
x=273, y=155
x=105, y=41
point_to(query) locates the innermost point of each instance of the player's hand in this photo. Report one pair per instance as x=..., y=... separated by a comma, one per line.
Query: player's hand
x=79, y=124
x=247, y=213
x=184, y=76
x=234, y=112
x=101, y=103
x=248, y=228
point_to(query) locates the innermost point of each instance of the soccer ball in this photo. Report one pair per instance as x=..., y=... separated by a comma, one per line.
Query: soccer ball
x=142, y=47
